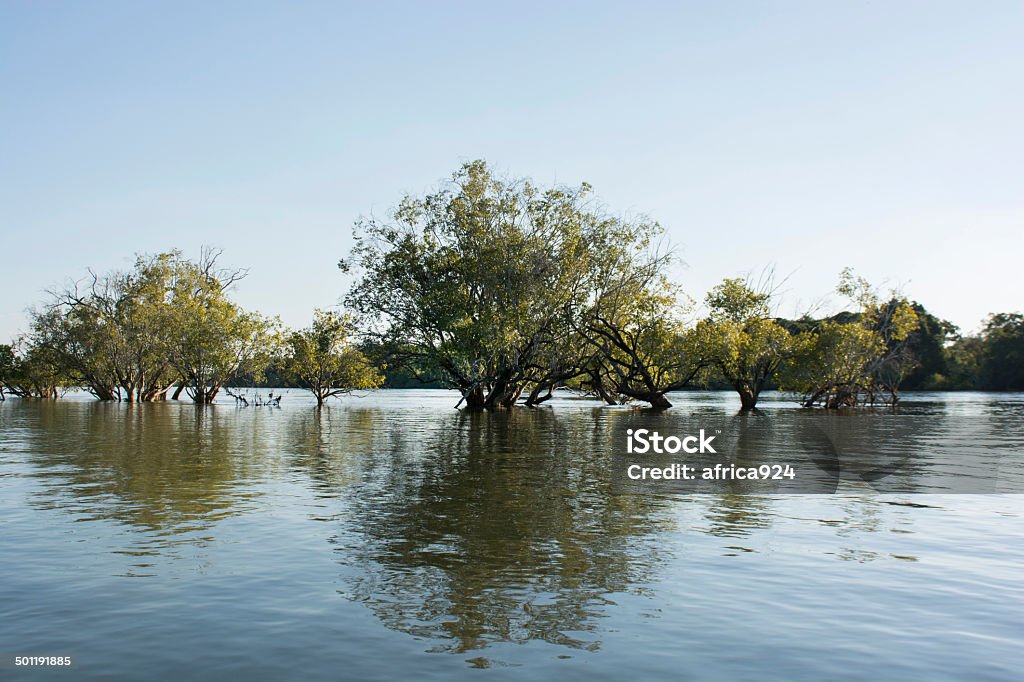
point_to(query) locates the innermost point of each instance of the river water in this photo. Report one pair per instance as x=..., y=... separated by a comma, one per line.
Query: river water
x=394, y=537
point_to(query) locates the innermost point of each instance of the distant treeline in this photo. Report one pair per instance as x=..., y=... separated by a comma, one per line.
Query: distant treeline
x=944, y=360
x=505, y=291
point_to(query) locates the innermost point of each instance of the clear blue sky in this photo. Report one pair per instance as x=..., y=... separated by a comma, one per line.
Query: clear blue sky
x=887, y=135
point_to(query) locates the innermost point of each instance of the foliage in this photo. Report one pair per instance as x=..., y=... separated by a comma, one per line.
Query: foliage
x=636, y=325
x=8, y=367
x=28, y=371
x=110, y=333
x=323, y=360
x=1002, y=359
x=928, y=344
x=505, y=291
x=857, y=359
x=212, y=340
x=485, y=280
x=133, y=335
x=741, y=339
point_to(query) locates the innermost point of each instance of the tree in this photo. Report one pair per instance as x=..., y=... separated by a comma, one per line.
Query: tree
x=211, y=340
x=636, y=323
x=323, y=360
x=858, y=358
x=742, y=340
x=964, y=361
x=131, y=335
x=71, y=339
x=928, y=344
x=110, y=332
x=1002, y=361
x=8, y=367
x=483, y=279
x=835, y=368
x=31, y=371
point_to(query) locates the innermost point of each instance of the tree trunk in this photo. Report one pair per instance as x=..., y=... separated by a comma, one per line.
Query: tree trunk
x=748, y=397
x=536, y=398
x=598, y=387
x=658, y=401
x=204, y=395
x=178, y=390
x=508, y=398
x=475, y=398
x=154, y=394
x=103, y=393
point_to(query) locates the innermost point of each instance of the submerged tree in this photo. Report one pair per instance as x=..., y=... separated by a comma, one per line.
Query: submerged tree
x=742, y=339
x=132, y=335
x=212, y=340
x=484, y=280
x=110, y=333
x=29, y=371
x=636, y=323
x=8, y=367
x=860, y=358
x=322, y=358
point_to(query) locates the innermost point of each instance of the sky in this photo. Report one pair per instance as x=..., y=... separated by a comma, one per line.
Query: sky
x=804, y=136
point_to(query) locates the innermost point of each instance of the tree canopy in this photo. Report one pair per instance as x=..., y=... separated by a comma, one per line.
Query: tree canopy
x=487, y=279
x=742, y=340
x=323, y=359
x=506, y=291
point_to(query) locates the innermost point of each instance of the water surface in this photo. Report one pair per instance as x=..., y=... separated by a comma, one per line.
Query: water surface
x=393, y=537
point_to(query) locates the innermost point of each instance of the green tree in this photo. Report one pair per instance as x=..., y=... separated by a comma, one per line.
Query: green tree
x=71, y=338
x=483, y=280
x=857, y=358
x=132, y=335
x=742, y=340
x=110, y=332
x=211, y=340
x=8, y=367
x=322, y=359
x=31, y=371
x=928, y=345
x=1002, y=360
x=964, y=360
x=637, y=326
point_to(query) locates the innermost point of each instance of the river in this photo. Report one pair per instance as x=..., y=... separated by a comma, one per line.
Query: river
x=391, y=536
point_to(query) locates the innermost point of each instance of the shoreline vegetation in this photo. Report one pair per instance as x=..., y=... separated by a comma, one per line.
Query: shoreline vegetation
x=505, y=291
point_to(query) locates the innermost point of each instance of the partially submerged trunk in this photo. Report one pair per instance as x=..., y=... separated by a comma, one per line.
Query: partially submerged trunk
x=748, y=396
x=204, y=395
x=475, y=398
x=105, y=392
x=154, y=394
x=500, y=397
x=656, y=399
x=597, y=385
x=538, y=395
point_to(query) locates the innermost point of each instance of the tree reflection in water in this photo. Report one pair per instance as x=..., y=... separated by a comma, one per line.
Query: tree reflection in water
x=485, y=528
x=165, y=469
